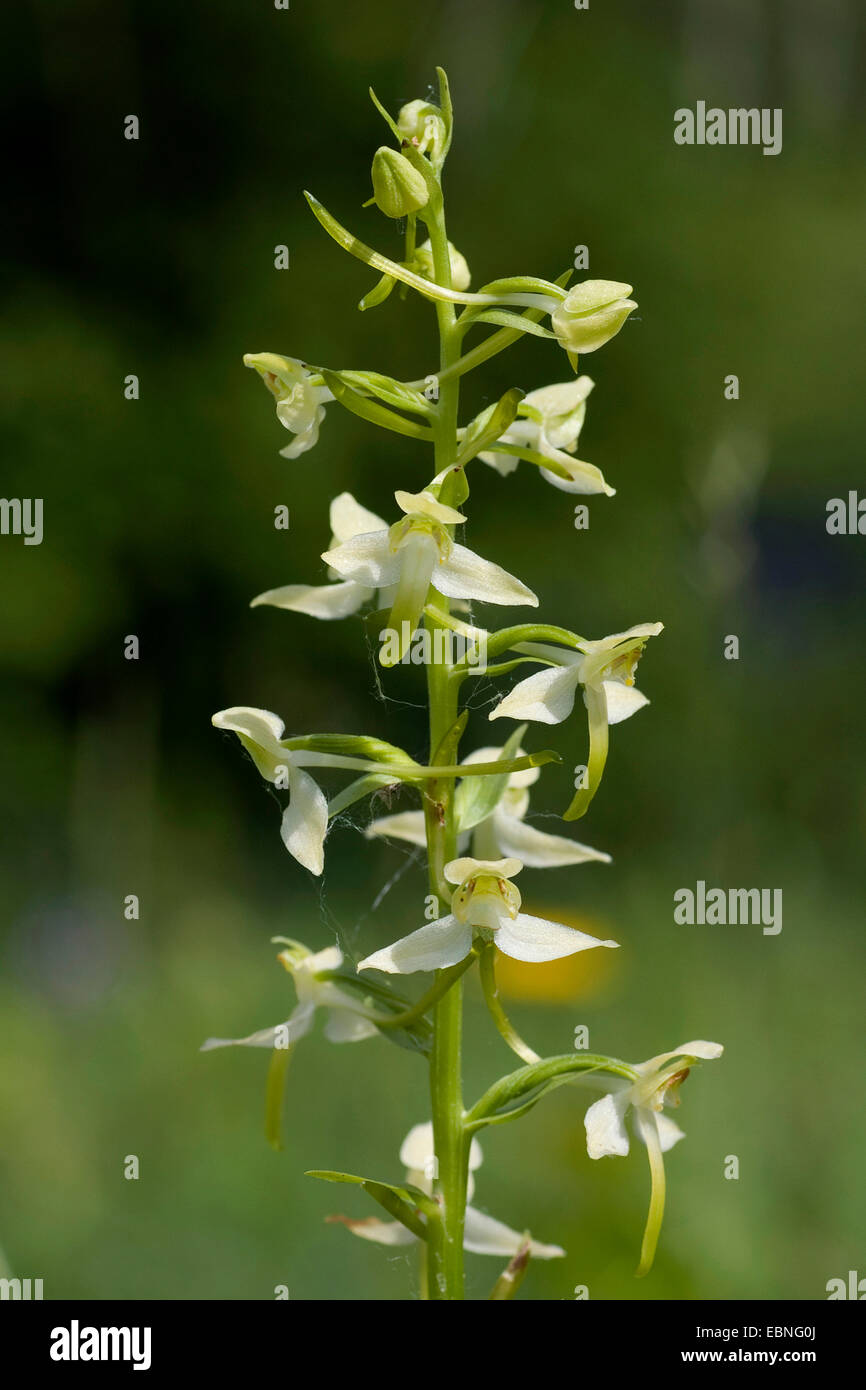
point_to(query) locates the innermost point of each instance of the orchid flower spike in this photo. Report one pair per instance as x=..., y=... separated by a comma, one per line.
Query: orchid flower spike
x=347, y=1016
x=300, y=403
x=305, y=819
x=605, y=668
x=416, y=553
x=341, y=598
x=503, y=833
x=656, y=1084
x=549, y=422
x=482, y=1234
x=486, y=905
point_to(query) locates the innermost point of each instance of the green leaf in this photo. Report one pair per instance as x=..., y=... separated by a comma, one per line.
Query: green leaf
x=389, y=120
x=400, y=1202
x=477, y=797
x=507, y=319
x=374, y=412
x=489, y=426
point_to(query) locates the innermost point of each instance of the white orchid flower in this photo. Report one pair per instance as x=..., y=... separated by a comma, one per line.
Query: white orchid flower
x=504, y=833
x=605, y=668
x=416, y=553
x=341, y=598
x=300, y=403
x=485, y=904
x=591, y=314
x=482, y=1234
x=656, y=1084
x=549, y=422
x=305, y=819
x=347, y=1018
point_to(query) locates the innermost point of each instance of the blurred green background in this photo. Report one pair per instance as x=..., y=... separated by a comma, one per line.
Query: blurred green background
x=156, y=258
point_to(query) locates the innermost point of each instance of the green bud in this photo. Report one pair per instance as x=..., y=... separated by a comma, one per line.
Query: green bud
x=591, y=314
x=398, y=189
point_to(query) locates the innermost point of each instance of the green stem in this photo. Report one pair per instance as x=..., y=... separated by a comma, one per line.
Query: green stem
x=445, y=1236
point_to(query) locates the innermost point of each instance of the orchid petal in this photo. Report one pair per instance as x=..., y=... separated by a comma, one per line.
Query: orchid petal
x=547, y=696
x=606, y=1133
x=466, y=575
x=296, y=1027
x=326, y=601
x=367, y=558
x=404, y=825
x=484, y=1235
x=622, y=701
x=348, y=518
x=305, y=821
x=536, y=939
x=537, y=849
x=432, y=947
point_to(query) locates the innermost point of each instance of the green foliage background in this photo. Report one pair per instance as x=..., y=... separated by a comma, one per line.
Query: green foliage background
x=156, y=258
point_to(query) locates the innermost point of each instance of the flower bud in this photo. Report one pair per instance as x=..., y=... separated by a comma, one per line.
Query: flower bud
x=591, y=314
x=460, y=273
x=398, y=188
x=422, y=125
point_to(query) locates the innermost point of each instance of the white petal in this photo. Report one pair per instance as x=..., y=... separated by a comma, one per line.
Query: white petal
x=622, y=701
x=547, y=697
x=669, y=1132
x=305, y=821
x=417, y=1149
x=561, y=398
x=288, y=1033
x=606, y=644
x=345, y=1026
x=329, y=958
x=535, y=939
x=538, y=850
x=465, y=575
x=708, y=1051
x=425, y=504
x=584, y=478
x=382, y=1232
x=605, y=1126
x=459, y=869
x=317, y=600
x=484, y=1235
x=348, y=518
x=368, y=559
x=307, y=439
x=526, y=778
x=432, y=947
x=259, y=731
x=405, y=825
x=503, y=463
